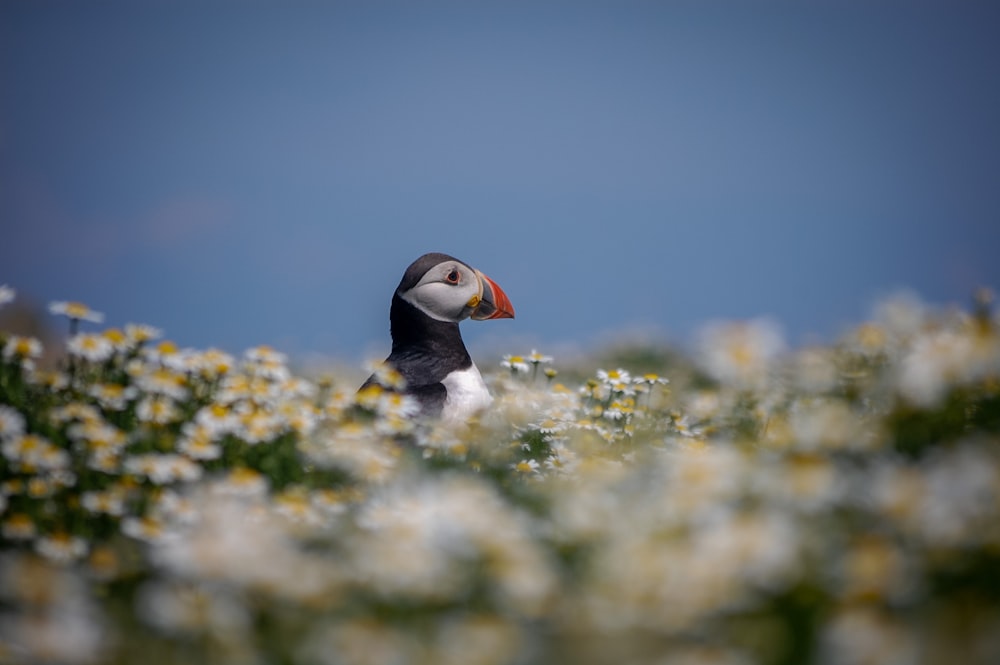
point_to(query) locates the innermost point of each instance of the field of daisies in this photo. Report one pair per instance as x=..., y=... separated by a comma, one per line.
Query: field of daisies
x=739, y=502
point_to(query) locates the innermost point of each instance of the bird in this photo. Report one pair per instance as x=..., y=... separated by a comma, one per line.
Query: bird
x=437, y=292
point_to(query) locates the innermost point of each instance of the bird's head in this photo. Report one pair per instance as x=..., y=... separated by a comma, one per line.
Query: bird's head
x=446, y=289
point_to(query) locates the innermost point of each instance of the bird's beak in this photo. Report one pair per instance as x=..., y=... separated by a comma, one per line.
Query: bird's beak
x=494, y=303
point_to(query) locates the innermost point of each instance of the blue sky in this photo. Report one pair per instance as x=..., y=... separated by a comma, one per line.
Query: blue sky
x=263, y=172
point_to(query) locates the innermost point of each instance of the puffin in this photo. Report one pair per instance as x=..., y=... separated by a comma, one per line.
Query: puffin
x=437, y=292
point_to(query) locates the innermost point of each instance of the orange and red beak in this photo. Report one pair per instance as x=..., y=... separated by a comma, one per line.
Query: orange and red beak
x=494, y=303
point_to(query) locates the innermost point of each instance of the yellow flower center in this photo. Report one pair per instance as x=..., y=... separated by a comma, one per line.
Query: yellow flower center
x=76, y=310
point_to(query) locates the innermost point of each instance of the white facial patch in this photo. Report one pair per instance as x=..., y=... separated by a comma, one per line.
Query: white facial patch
x=440, y=300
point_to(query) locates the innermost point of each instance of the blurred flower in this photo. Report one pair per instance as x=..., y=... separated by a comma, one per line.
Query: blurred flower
x=386, y=375
x=108, y=502
x=161, y=381
x=217, y=419
x=650, y=379
x=11, y=423
x=265, y=361
x=61, y=547
x=526, y=466
x=295, y=504
x=242, y=482
x=516, y=364
x=54, y=381
x=147, y=529
x=22, y=349
x=90, y=346
x=212, y=364
x=868, y=339
x=961, y=494
x=58, y=621
x=18, y=526
x=198, y=442
x=236, y=541
x=119, y=341
x=77, y=311
x=32, y=451
x=614, y=377
x=864, y=635
x=75, y=411
x=112, y=396
x=740, y=353
x=941, y=360
x=356, y=448
x=828, y=423
x=258, y=426
x=814, y=370
x=902, y=315
x=141, y=333
x=427, y=541
x=536, y=358
x=393, y=404
x=7, y=294
x=164, y=468
x=191, y=610
x=157, y=409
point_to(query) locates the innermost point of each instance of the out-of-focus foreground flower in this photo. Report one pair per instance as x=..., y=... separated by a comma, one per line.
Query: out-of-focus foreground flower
x=837, y=503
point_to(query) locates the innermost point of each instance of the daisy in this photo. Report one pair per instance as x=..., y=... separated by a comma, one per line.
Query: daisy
x=244, y=482
x=40, y=488
x=526, y=466
x=213, y=363
x=386, y=375
x=11, y=423
x=53, y=381
x=92, y=347
x=536, y=358
x=258, y=426
x=295, y=504
x=76, y=311
x=397, y=404
x=18, y=526
x=98, y=435
x=61, y=547
x=625, y=388
x=740, y=353
x=112, y=396
x=139, y=333
x=24, y=348
x=146, y=529
x=35, y=451
x=75, y=411
x=301, y=417
x=118, y=339
x=651, y=380
x=197, y=442
x=161, y=354
x=159, y=410
x=615, y=376
x=217, y=419
x=265, y=361
x=163, y=469
x=108, y=502
x=162, y=381
x=516, y=364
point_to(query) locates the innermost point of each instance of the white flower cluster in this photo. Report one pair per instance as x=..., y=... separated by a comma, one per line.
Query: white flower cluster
x=836, y=503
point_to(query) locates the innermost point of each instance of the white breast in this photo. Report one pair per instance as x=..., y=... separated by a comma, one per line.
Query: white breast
x=467, y=394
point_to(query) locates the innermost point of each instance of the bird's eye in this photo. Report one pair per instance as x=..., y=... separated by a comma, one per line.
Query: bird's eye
x=453, y=276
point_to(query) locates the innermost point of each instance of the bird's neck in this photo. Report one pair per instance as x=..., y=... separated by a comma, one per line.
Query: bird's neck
x=411, y=329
